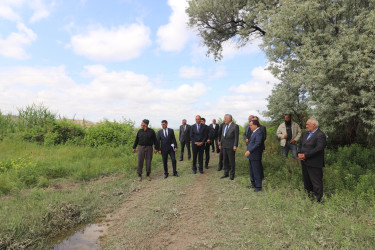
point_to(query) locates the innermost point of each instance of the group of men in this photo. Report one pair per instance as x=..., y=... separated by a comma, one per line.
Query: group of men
x=224, y=139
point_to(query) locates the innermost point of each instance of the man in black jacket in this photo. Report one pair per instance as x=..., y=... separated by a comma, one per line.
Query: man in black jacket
x=311, y=154
x=215, y=134
x=209, y=132
x=167, y=146
x=198, y=137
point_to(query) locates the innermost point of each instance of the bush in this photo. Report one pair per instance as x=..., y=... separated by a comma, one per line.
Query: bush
x=108, y=133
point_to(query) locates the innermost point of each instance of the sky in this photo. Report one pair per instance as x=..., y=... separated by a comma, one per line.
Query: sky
x=116, y=59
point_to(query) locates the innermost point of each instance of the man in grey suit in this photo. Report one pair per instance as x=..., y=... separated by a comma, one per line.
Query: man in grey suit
x=184, y=138
x=229, y=144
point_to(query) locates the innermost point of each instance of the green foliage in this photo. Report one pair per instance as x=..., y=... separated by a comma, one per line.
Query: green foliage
x=110, y=133
x=35, y=115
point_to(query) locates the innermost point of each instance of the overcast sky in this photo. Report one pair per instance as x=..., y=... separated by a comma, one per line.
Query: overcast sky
x=111, y=59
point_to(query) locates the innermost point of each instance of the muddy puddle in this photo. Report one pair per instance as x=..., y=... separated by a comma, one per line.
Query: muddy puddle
x=84, y=238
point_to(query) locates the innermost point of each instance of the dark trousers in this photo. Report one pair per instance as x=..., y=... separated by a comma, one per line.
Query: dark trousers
x=183, y=144
x=171, y=153
x=214, y=143
x=197, y=152
x=207, y=153
x=221, y=160
x=229, y=157
x=313, y=180
x=256, y=173
x=144, y=154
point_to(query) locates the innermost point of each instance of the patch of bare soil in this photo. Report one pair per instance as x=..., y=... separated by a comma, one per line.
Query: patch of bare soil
x=181, y=222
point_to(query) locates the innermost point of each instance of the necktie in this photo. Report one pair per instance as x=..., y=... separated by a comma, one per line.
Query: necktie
x=198, y=127
x=165, y=133
x=226, y=129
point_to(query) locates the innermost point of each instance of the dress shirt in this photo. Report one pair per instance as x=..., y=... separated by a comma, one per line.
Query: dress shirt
x=311, y=133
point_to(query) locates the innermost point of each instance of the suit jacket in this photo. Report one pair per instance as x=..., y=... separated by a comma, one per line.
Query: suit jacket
x=215, y=131
x=255, y=145
x=200, y=136
x=220, y=132
x=184, y=136
x=230, y=139
x=247, y=133
x=313, y=148
x=210, y=132
x=164, y=143
x=264, y=133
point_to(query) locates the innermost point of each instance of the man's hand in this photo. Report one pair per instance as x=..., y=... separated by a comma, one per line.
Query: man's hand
x=133, y=150
x=247, y=153
x=302, y=157
x=155, y=151
x=247, y=141
x=208, y=141
x=220, y=147
x=175, y=149
x=293, y=141
x=286, y=136
x=159, y=152
x=234, y=148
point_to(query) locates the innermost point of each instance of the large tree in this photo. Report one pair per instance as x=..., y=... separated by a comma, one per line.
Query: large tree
x=325, y=49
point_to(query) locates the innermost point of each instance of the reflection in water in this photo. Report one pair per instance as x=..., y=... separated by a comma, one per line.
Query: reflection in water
x=86, y=238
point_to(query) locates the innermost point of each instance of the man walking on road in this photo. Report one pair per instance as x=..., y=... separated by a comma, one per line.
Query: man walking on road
x=145, y=138
x=184, y=138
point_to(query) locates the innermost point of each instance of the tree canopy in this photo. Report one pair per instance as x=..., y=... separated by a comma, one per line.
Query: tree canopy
x=322, y=51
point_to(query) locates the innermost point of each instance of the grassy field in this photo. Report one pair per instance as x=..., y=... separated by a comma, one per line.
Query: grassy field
x=46, y=190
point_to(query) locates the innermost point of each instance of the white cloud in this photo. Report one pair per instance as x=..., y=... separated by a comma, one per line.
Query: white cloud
x=40, y=9
x=262, y=83
x=190, y=72
x=174, y=35
x=13, y=45
x=116, y=44
x=230, y=50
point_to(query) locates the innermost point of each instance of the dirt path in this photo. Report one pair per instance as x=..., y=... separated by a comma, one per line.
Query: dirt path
x=171, y=213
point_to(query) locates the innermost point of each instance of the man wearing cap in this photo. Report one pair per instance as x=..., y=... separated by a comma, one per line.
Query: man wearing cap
x=145, y=138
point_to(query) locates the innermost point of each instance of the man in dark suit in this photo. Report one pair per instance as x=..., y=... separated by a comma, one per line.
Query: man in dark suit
x=168, y=146
x=184, y=138
x=209, y=132
x=311, y=154
x=229, y=144
x=248, y=131
x=254, y=154
x=215, y=134
x=198, y=137
x=264, y=133
x=221, y=151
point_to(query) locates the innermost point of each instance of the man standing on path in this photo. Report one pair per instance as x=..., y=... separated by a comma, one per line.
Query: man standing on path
x=254, y=154
x=167, y=146
x=264, y=134
x=248, y=131
x=198, y=137
x=145, y=138
x=220, y=132
x=215, y=134
x=311, y=154
x=289, y=134
x=184, y=138
x=229, y=144
x=209, y=132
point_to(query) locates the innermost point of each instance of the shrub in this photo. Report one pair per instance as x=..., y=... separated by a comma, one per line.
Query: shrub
x=109, y=133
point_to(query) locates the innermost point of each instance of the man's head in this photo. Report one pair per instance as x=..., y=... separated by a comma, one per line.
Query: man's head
x=203, y=120
x=198, y=119
x=288, y=117
x=184, y=122
x=144, y=123
x=214, y=121
x=250, y=118
x=254, y=124
x=256, y=118
x=312, y=124
x=164, y=124
x=228, y=118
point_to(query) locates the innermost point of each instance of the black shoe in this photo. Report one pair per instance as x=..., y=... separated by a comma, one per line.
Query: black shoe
x=206, y=167
x=224, y=176
x=257, y=190
x=212, y=151
x=201, y=171
x=166, y=176
x=219, y=169
x=194, y=171
x=181, y=159
x=176, y=174
x=232, y=178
